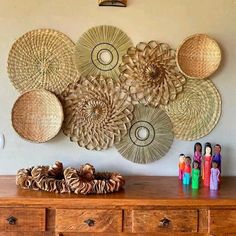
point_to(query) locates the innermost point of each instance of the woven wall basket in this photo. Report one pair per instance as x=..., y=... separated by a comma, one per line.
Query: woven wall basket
x=98, y=112
x=42, y=59
x=196, y=111
x=37, y=116
x=198, y=56
x=149, y=72
x=99, y=51
x=149, y=137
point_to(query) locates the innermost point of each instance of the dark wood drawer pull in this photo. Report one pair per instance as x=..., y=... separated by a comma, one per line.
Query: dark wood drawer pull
x=90, y=222
x=164, y=223
x=11, y=220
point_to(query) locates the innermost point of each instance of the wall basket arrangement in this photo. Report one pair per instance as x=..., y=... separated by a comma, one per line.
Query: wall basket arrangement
x=37, y=115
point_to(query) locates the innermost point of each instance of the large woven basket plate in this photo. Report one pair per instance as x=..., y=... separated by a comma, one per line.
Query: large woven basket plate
x=196, y=111
x=150, y=136
x=198, y=56
x=42, y=59
x=37, y=115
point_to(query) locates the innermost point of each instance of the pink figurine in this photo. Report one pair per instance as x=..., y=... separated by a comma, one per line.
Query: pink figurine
x=214, y=178
x=181, y=166
x=207, y=165
x=198, y=153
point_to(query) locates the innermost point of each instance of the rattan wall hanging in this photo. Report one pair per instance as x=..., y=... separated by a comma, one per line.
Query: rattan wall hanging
x=98, y=112
x=42, y=59
x=198, y=56
x=196, y=111
x=99, y=51
x=37, y=116
x=149, y=137
x=150, y=73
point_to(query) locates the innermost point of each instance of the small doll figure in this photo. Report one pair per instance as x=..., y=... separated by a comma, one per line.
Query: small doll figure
x=217, y=156
x=207, y=164
x=198, y=153
x=187, y=170
x=195, y=175
x=214, y=178
x=181, y=166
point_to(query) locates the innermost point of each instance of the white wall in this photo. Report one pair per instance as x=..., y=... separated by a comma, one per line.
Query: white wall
x=143, y=20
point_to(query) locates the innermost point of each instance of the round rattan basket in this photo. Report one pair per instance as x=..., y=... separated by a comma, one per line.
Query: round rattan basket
x=37, y=116
x=198, y=56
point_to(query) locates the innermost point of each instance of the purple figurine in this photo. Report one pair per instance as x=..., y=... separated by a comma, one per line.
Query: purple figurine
x=214, y=177
x=198, y=153
x=217, y=156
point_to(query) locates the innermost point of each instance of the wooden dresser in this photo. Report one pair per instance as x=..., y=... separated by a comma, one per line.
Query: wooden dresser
x=147, y=206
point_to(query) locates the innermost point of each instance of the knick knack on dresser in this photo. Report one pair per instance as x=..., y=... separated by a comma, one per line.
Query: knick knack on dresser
x=198, y=153
x=187, y=170
x=181, y=165
x=214, y=177
x=195, y=175
x=217, y=155
x=207, y=164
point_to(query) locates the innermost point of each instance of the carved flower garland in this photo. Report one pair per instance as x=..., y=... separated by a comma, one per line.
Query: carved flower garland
x=98, y=112
x=150, y=73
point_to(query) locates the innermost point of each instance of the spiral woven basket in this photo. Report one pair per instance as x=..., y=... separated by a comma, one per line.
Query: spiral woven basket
x=198, y=56
x=37, y=116
x=42, y=59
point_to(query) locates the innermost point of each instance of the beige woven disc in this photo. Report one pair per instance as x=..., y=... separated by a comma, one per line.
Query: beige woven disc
x=100, y=49
x=198, y=56
x=150, y=136
x=37, y=116
x=196, y=111
x=42, y=59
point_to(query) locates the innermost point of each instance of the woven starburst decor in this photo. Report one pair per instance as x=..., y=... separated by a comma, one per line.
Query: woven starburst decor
x=149, y=137
x=42, y=59
x=98, y=112
x=150, y=73
x=99, y=51
x=196, y=111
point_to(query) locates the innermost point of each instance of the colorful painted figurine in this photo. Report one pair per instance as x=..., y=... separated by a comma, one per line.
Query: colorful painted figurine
x=187, y=170
x=214, y=178
x=207, y=164
x=217, y=156
x=198, y=153
x=195, y=175
x=181, y=166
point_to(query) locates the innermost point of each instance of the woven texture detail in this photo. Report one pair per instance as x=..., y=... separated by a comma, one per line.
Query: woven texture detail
x=150, y=136
x=42, y=59
x=37, y=115
x=196, y=111
x=198, y=56
x=98, y=112
x=150, y=74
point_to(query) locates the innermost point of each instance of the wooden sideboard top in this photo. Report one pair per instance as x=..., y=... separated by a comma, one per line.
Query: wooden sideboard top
x=138, y=190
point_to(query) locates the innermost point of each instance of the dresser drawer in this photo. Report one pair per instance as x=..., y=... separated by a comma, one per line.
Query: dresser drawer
x=164, y=221
x=68, y=220
x=22, y=219
x=222, y=221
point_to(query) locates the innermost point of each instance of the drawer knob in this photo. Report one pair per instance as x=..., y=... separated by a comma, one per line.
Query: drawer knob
x=11, y=220
x=90, y=222
x=164, y=222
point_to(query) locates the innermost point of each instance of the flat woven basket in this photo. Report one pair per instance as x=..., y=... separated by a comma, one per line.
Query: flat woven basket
x=196, y=111
x=42, y=59
x=198, y=56
x=37, y=116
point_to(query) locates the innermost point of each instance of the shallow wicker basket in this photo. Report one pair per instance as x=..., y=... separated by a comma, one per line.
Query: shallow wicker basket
x=198, y=56
x=37, y=116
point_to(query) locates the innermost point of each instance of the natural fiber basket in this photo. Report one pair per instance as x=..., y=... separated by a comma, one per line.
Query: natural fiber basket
x=37, y=116
x=198, y=56
x=42, y=59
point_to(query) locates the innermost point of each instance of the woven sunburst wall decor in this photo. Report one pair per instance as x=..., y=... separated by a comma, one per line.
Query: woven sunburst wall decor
x=98, y=112
x=196, y=111
x=150, y=73
x=42, y=59
x=149, y=137
x=99, y=51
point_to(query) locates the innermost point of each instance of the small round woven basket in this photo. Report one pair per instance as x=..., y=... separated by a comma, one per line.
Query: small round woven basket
x=37, y=116
x=198, y=56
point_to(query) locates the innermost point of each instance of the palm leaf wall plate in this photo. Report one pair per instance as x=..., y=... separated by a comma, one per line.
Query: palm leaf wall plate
x=100, y=49
x=196, y=111
x=150, y=136
x=42, y=59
